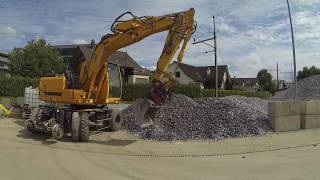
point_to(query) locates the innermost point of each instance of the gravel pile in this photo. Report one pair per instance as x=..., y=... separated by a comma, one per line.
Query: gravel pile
x=183, y=118
x=307, y=89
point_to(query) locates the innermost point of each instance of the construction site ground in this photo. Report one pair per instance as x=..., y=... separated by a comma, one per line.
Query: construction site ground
x=117, y=155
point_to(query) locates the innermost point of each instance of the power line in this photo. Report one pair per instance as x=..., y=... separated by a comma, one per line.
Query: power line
x=44, y=34
x=46, y=17
x=38, y=9
x=38, y=24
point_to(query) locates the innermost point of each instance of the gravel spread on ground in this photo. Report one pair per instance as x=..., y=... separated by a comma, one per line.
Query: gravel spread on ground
x=183, y=118
x=307, y=89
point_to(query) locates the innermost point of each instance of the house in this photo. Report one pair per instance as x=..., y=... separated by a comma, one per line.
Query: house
x=131, y=71
x=248, y=84
x=4, y=68
x=203, y=76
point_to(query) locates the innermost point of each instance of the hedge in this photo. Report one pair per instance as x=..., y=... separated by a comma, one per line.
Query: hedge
x=132, y=92
x=223, y=93
x=14, y=86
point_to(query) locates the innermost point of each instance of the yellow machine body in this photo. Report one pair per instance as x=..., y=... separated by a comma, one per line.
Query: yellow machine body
x=98, y=80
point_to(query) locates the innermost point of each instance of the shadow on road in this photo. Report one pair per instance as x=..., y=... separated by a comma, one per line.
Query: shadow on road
x=46, y=139
x=42, y=137
x=19, y=122
x=113, y=142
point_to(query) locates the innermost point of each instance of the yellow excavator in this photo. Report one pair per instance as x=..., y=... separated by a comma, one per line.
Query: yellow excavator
x=75, y=103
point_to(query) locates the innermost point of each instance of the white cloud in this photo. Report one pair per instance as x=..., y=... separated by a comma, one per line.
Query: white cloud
x=8, y=31
x=251, y=34
x=79, y=41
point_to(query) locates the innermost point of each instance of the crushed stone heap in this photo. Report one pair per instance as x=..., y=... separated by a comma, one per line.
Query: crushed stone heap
x=307, y=89
x=183, y=118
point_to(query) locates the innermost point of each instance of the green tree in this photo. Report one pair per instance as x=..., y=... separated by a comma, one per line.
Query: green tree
x=36, y=59
x=307, y=72
x=265, y=80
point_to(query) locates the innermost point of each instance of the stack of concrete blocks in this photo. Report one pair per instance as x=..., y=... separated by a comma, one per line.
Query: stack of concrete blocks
x=310, y=114
x=284, y=115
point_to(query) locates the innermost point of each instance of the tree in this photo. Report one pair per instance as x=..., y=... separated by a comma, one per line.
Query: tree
x=265, y=80
x=307, y=72
x=36, y=59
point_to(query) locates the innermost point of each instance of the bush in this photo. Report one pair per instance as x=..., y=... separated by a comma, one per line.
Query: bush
x=223, y=93
x=132, y=92
x=14, y=86
x=192, y=91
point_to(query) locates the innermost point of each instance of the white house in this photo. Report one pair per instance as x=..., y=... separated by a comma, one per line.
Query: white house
x=204, y=76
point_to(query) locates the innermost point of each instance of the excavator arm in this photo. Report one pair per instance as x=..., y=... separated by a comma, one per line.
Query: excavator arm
x=97, y=76
x=94, y=75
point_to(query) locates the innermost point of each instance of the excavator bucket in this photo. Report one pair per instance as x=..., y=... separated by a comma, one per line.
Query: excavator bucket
x=141, y=111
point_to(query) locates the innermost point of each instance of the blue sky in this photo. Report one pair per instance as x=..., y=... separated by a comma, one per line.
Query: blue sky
x=252, y=34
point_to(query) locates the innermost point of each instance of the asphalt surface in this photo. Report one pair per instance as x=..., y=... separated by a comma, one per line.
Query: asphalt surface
x=117, y=155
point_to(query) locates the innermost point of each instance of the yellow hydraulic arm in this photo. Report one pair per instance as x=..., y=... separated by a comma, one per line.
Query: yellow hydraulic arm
x=5, y=110
x=94, y=73
x=94, y=84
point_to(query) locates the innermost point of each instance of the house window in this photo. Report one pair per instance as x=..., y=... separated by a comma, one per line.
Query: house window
x=177, y=74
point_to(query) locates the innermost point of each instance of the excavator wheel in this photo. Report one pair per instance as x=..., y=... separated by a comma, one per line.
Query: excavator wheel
x=34, y=116
x=116, y=123
x=75, y=126
x=84, y=127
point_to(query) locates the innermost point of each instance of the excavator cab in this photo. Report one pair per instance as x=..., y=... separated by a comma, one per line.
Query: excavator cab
x=115, y=83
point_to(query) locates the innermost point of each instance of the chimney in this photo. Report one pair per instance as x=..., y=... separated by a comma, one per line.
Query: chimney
x=93, y=43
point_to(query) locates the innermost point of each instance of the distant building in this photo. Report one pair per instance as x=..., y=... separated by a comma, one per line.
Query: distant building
x=204, y=76
x=132, y=72
x=248, y=84
x=4, y=68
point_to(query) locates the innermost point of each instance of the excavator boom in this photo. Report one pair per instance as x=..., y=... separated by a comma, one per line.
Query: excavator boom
x=95, y=75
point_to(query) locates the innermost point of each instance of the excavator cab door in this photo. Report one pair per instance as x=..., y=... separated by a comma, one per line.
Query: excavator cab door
x=114, y=81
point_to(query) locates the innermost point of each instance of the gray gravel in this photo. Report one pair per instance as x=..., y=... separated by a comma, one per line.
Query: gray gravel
x=307, y=89
x=183, y=118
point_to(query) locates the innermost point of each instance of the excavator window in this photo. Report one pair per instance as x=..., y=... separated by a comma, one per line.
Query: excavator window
x=114, y=81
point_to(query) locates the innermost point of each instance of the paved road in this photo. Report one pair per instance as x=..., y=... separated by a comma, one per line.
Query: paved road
x=293, y=155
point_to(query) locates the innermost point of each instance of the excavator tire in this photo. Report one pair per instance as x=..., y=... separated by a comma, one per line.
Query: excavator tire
x=33, y=116
x=117, y=120
x=75, y=126
x=84, y=127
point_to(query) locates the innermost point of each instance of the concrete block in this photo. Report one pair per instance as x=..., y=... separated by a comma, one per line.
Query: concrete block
x=285, y=123
x=283, y=108
x=310, y=107
x=20, y=101
x=310, y=121
x=5, y=102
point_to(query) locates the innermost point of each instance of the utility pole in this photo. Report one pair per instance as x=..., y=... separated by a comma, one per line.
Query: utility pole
x=277, y=87
x=293, y=52
x=215, y=54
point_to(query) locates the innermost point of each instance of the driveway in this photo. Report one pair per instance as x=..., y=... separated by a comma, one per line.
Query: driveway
x=118, y=155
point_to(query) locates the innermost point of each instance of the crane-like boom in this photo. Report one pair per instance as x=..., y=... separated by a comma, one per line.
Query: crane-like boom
x=94, y=74
x=85, y=96
x=94, y=77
